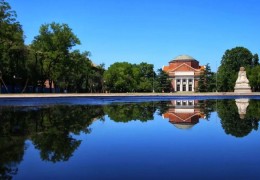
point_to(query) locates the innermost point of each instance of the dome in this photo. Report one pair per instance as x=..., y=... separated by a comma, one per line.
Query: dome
x=183, y=126
x=183, y=58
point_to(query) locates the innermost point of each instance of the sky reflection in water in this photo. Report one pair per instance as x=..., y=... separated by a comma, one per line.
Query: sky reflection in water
x=156, y=140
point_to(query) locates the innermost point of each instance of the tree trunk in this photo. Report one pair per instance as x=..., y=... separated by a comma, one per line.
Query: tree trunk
x=4, y=85
x=25, y=85
x=50, y=85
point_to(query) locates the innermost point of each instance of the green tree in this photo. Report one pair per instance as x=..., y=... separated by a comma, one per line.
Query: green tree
x=127, y=77
x=53, y=45
x=254, y=78
x=231, y=61
x=255, y=60
x=144, y=77
x=207, y=81
x=162, y=82
x=95, y=79
x=75, y=71
x=119, y=77
x=12, y=49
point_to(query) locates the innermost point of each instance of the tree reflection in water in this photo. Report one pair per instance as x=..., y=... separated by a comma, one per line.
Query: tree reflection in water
x=131, y=111
x=52, y=128
x=54, y=140
x=231, y=120
x=49, y=128
x=11, y=154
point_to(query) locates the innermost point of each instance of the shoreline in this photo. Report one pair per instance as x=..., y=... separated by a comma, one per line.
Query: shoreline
x=69, y=95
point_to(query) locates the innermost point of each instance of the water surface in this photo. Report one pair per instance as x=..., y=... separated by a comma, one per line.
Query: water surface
x=144, y=139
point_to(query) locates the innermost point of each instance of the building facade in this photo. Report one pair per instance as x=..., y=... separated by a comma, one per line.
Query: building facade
x=184, y=72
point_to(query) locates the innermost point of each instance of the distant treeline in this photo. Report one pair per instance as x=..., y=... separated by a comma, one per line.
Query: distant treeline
x=50, y=64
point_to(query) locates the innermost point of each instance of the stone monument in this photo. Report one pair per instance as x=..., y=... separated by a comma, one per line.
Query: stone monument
x=242, y=106
x=242, y=83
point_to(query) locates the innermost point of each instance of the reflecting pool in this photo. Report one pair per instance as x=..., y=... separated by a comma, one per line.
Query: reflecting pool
x=161, y=139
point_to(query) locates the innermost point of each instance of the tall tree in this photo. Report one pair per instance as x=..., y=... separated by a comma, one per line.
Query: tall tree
x=255, y=60
x=75, y=71
x=12, y=49
x=162, y=82
x=127, y=77
x=207, y=81
x=231, y=61
x=54, y=43
x=119, y=77
x=144, y=77
x=254, y=78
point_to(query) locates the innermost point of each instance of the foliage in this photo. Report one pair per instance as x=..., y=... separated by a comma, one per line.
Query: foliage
x=162, y=82
x=144, y=76
x=207, y=107
x=126, y=77
x=12, y=49
x=56, y=142
x=254, y=78
x=130, y=112
x=53, y=44
x=162, y=107
x=75, y=71
x=231, y=122
x=49, y=128
x=255, y=61
x=207, y=81
x=231, y=62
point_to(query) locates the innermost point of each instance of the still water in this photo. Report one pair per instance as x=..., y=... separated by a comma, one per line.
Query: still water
x=162, y=139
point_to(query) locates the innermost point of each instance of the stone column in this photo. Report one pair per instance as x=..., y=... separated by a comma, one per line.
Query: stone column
x=187, y=84
x=193, y=84
x=175, y=84
x=181, y=85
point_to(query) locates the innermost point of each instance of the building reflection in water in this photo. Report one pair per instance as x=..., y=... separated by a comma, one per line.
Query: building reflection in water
x=184, y=114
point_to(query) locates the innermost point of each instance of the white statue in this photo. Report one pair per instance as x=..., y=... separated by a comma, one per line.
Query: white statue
x=242, y=76
x=242, y=83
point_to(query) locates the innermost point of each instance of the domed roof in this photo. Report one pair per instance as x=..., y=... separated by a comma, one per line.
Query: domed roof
x=183, y=126
x=184, y=57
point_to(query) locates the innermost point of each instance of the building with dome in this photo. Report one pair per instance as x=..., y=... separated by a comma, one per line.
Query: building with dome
x=184, y=72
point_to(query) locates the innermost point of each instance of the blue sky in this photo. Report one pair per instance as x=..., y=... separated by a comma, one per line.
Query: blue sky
x=152, y=31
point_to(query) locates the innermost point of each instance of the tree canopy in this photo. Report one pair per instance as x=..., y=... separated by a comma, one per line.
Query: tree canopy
x=231, y=61
x=207, y=81
x=53, y=44
x=127, y=77
x=12, y=48
x=49, y=58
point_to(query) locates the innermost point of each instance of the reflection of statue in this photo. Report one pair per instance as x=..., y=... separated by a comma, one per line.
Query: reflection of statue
x=242, y=83
x=242, y=106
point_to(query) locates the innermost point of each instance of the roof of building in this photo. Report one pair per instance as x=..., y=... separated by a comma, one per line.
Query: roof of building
x=183, y=58
x=184, y=126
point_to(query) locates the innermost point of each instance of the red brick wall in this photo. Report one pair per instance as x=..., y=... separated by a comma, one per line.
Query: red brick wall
x=175, y=64
x=195, y=64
